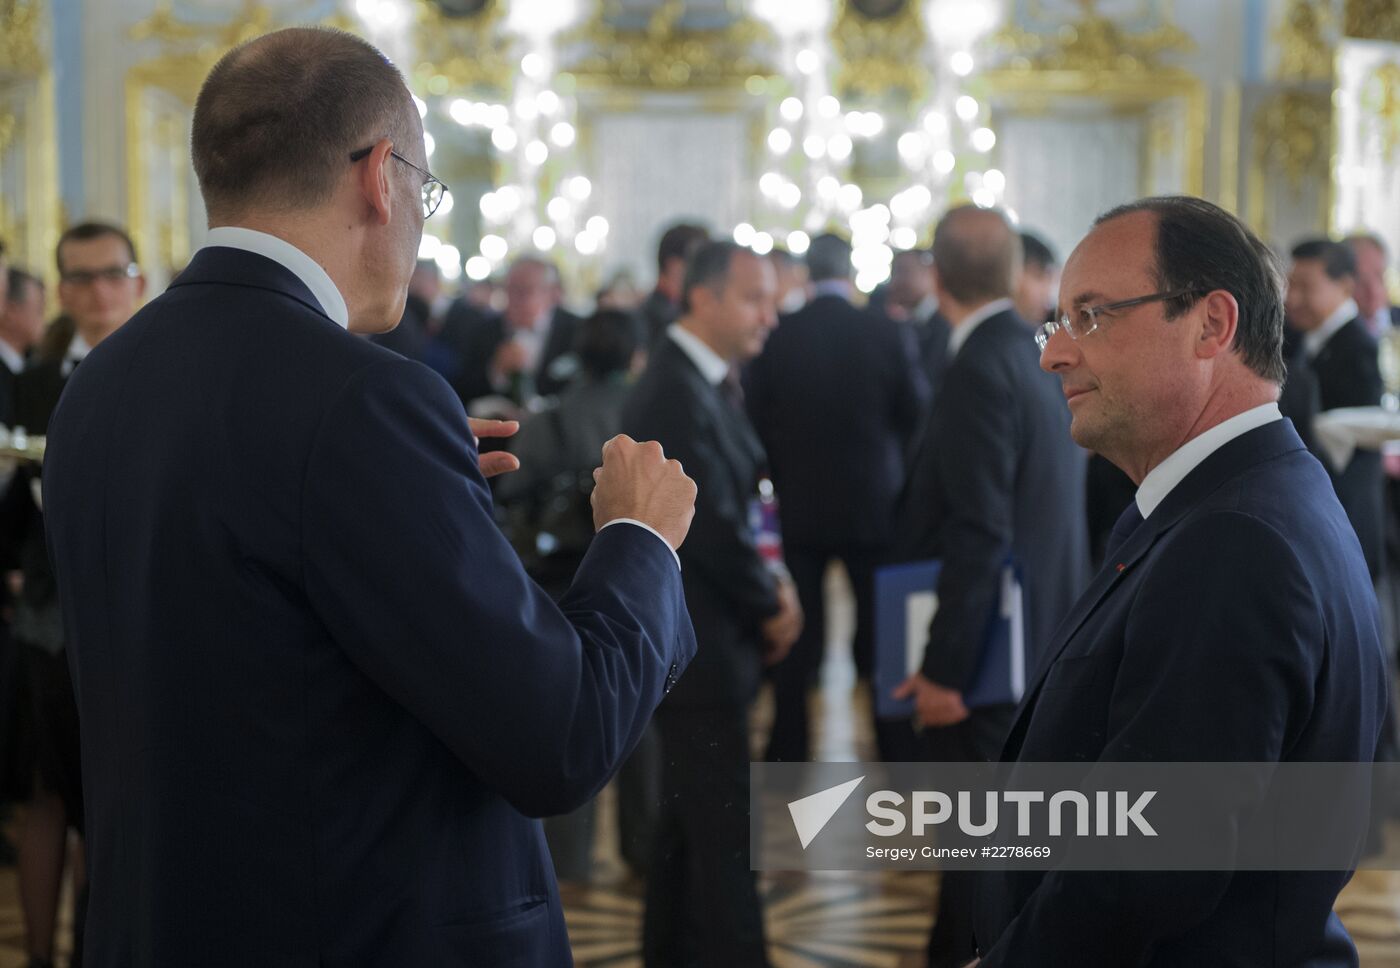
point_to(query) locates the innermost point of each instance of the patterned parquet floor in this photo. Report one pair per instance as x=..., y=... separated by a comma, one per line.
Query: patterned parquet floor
x=817, y=920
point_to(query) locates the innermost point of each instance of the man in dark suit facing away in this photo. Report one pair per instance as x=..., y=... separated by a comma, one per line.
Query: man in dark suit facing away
x=832, y=372
x=320, y=699
x=912, y=299
x=702, y=903
x=996, y=480
x=662, y=306
x=1335, y=365
x=1233, y=619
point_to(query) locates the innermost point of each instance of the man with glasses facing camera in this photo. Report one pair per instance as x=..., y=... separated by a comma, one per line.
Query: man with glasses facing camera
x=321, y=700
x=100, y=286
x=1233, y=619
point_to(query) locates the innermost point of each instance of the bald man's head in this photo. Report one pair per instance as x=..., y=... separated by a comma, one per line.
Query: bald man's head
x=977, y=255
x=278, y=117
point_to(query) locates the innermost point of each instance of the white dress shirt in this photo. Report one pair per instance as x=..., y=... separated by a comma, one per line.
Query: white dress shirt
x=1314, y=342
x=963, y=330
x=11, y=357
x=1160, y=481
x=297, y=262
x=832, y=287
x=924, y=311
x=713, y=367
x=77, y=351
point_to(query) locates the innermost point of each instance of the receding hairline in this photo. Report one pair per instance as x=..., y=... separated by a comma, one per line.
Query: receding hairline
x=232, y=94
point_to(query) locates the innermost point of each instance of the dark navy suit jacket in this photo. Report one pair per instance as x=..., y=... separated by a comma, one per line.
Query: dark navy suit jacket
x=1236, y=624
x=320, y=699
x=996, y=474
x=835, y=376
x=728, y=588
x=1345, y=373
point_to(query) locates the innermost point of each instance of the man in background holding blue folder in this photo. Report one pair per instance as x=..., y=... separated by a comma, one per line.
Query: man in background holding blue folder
x=996, y=479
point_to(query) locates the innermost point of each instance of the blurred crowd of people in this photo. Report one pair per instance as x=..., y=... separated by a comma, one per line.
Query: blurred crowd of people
x=820, y=425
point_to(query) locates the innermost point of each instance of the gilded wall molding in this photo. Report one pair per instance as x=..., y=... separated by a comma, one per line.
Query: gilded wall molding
x=1307, y=41
x=664, y=54
x=30, y=214
x=1373, y=20
x=1380, y=102
x=19, y=36
x=880, y=54
x=1094, y=42
x=467, y=52
x=1096, y=58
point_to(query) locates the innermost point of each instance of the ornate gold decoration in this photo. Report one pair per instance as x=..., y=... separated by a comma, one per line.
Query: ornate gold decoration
x=880, y=54
x=469, y=52
x=29, y=217
x=1306, y=41
x=1380, y=97
x=19, y=37
x=1292, y=133
x=1093, y=43
x=1373, y=20
x=1137, y=93
x=665, y=55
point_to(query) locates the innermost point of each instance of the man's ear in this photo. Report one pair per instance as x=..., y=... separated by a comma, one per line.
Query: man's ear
x=373, y=180
x=1219, y=325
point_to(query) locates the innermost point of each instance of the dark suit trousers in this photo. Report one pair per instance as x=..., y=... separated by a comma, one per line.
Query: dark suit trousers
x=702, y=908
x=976, y=739
x=793, y=677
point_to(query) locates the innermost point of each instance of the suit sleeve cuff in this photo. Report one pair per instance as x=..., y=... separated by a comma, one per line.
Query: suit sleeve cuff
x=646, y=527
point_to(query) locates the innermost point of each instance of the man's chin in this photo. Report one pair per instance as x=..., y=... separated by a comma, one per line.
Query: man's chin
x=1084, y=433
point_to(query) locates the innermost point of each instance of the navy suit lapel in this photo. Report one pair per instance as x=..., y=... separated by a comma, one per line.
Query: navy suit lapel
x=734, y=438
x=237, y=267
x=1258, y=445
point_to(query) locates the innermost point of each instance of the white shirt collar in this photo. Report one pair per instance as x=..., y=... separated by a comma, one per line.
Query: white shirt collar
x=710, y=364
x=77, y=351
x=980, y=315
x=924, y=311
x=1314, y=342
x=1379, y=322
x=1160, y=481
x=12, y=358
x=301, y=265
x=832, y=287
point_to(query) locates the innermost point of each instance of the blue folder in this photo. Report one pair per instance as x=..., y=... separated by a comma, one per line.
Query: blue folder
x=906, y=601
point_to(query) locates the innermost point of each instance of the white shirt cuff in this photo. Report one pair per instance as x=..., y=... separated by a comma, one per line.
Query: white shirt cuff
x=646, y=527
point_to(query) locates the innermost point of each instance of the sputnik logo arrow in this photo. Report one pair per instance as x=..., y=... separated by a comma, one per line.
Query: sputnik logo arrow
x=812, y=813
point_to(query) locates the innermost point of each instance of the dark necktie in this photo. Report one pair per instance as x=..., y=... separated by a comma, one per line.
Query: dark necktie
x=732, y=390
x=1123, y=529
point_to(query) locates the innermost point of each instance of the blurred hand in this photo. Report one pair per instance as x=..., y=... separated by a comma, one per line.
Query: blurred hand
x=933, y=704
x=496, y=462
x=637, y=481
x=781, y=631
x=511, y=357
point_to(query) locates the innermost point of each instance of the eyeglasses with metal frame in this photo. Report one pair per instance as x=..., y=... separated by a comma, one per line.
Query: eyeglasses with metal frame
x=433, y=188
x=1085, y=320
